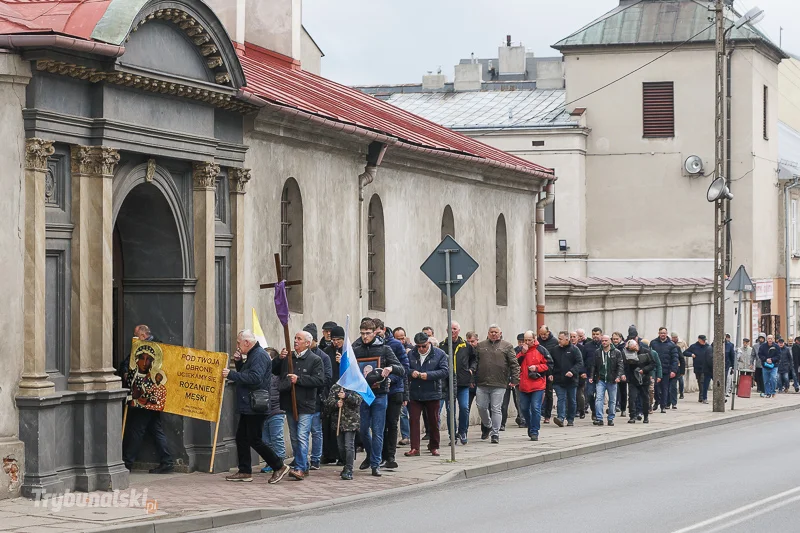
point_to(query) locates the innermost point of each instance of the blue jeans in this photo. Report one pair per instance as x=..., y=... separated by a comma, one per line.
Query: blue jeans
x=462, y=397
x=298, y=433
x=405, y=425
x=273, y=434
x=602, y=387
x=783, y=380
x=373, y=417
x=530, y=403
x=770, y=377
x=316, y=438
x=567, y=401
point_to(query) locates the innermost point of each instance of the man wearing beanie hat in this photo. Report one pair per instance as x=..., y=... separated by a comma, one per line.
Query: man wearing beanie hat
x=330, y=447
x=325, y=341
x=322, y=393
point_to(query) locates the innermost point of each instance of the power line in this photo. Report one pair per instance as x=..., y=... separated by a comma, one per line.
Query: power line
x=607, y=85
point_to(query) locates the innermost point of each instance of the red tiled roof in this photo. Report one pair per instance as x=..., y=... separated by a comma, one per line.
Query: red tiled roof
x=76, y=18
x=279, y=81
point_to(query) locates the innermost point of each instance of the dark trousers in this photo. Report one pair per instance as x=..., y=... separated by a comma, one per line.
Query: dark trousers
x=472, y=392
x=510, y=392
x=138, y=423
x=699, y=377
x=637, y=393
x=346, y=445
x=622, y=395
x=662, y=391
x=390, y=429
x=415, y=409
x=759, y=377
x=547, y=409
x=249, y=435
x=580, y=395
x=330, y=448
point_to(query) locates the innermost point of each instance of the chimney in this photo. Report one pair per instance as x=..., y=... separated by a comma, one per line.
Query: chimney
x=231, y=14
x=274, y=24
x=468, y=76
x=433, y=82
x=511, y=58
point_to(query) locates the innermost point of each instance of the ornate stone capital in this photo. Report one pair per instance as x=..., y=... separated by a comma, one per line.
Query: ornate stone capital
x=94, y=160
x=238, y=178
x=205, y=175
x=36, y=153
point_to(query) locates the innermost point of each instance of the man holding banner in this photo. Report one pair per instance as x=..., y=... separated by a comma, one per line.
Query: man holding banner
x=253, y=373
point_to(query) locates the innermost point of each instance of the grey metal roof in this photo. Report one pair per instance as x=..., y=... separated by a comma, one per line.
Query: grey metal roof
x=658, y=22
x=488, y=109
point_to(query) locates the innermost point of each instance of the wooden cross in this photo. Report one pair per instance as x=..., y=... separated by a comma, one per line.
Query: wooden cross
x=286, y=337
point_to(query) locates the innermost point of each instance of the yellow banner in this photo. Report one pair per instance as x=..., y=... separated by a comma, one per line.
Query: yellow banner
x=176, y=379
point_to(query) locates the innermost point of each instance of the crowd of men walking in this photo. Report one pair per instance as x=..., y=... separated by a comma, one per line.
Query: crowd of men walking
x=601, y=376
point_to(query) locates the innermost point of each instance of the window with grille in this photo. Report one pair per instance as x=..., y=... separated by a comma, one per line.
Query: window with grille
x=376, y=255
x=448, y=228
x=501, y=262
x=292, y=242
x=766, y=112
x=659, y=109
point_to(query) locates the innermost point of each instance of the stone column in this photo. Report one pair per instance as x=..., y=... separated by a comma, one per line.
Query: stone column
x=238, y=178
x=35, y=381
x=205, y=305
x=91, y=365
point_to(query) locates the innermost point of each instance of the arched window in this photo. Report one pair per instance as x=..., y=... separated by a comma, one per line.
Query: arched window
x=292, y=242
x=376, y=255
x=501, y=262
x=448, y=228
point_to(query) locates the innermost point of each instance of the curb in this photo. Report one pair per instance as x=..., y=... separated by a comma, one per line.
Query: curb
x=240, y=516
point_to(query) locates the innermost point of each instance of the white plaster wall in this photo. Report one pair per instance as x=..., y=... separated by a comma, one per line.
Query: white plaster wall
x=14, y=75
x=310, y=55
x=413, y=202
x=652, y=268
x=275, y=25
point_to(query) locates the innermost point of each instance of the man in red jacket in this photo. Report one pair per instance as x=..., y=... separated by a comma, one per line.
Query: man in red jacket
x=535, y=363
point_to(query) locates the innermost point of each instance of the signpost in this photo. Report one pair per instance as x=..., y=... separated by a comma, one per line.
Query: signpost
x=740, y=283
x=449, y=267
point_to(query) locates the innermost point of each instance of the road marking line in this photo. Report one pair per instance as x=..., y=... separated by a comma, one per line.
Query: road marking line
x=753, y=515
x=740, y=510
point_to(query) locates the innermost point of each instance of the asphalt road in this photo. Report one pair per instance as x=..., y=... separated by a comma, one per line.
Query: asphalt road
x=737, y=478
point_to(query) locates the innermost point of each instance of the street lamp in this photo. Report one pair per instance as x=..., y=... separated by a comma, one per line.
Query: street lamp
x=754, y=16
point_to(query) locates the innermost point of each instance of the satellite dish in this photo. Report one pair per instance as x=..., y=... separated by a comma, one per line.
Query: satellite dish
x=718, y=190
x=693, y=165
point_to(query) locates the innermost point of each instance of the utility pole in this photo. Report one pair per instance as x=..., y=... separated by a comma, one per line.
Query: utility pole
x=720, y=219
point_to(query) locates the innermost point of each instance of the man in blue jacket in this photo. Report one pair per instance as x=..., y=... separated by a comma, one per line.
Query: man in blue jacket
x=769, y=355
x=253, y=372
x=668, y=355
x=429, y=367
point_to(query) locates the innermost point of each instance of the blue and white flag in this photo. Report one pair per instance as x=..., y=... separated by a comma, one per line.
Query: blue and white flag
x=350, y=375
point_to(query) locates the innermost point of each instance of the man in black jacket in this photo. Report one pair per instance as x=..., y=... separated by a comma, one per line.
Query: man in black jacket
x=330, y=447
x=700, y=352
x=668, y=355
x=306, y=377
x=322, y=393
x=567, y=364
x=605, y=372
x=370, y=350
x=253, y=372
x=549, y=342
x=464, y=362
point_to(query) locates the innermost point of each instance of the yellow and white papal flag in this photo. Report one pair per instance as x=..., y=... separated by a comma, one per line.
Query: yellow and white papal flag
x=257, y=331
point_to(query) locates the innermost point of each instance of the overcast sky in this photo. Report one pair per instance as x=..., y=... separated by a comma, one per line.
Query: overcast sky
x=397, y=41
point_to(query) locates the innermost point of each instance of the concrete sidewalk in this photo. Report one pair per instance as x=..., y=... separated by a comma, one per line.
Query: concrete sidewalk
x=191, y=502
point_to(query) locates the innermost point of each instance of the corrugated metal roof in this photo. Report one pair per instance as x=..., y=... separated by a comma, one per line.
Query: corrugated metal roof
x=76, y=18
x=657, y=22
x=627, y=282
x=488, y=109
x=276, y=81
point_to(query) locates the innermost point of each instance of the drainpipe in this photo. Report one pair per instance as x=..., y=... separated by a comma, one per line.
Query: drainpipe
x=728, y=240
x=375, y=152
x=787, y=251
x=549, y=198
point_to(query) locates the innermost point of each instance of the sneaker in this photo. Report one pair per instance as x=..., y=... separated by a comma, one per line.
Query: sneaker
x=314, y=466
x=277, y=476
x=534, y=437
x=597, y=422
x=582, y=416
x=240, y=476
x=645, y=421
x=266, y=470
x=663, y=410
x=610, y=422
x=376, y=472
x=705, y=401
x=503, y=427
x=463, y=439
x=364, y=465
x=681, y=396
x=390, y=465
x=297, y=474
x=570, y=423
x=622, y=414
x=485, y=432
x=404, y=442
x=638, y=417
x=410, y=453
x=162, y=469
x=495, y=439
x=674, y=407
x=632, y=421
x=559, y=422
x=346, y=475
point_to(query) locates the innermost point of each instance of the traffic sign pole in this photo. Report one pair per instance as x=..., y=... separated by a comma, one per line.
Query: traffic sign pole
x=452, y=418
